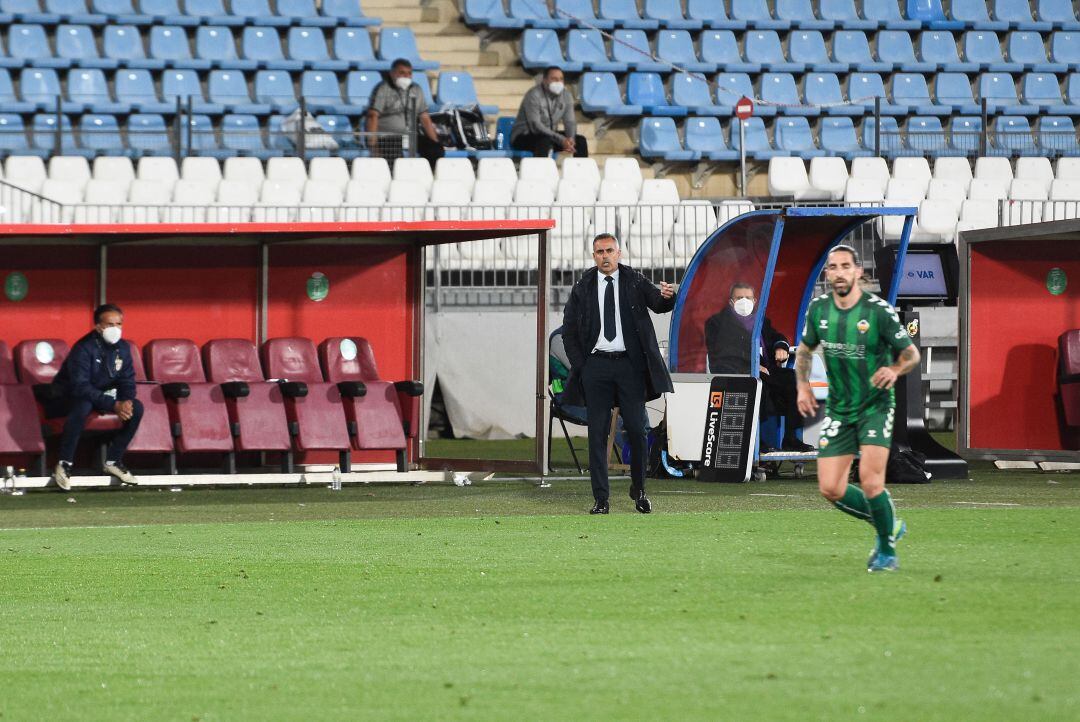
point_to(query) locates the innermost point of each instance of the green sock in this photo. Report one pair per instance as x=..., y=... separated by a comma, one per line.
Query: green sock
x=881, y=509
x=854, y=502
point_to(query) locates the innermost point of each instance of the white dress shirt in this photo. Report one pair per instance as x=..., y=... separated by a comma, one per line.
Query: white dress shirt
x=617, y=343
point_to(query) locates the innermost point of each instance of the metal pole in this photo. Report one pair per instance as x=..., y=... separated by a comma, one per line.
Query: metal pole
x=877, y=127
x=983, y=130
x=438, y=275
x=264, y=294
x=58, y=146
x=103, y=268
x=543, y=408
x=178, y=151
x=301, y=134
x=742, y=157
x=190, y=122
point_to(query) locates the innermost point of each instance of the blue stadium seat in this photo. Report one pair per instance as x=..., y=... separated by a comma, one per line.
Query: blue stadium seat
x=794, y=136
x=909, y=90
x=489, y=13
x=6, y=61
x=581, y=14
x=1065, y=49
x=864, y=87
x=964, y=134
x=256, y=12
x=954, y=90
x=340, y=129
x=73, y=11
x=216, y=44
x=693, y=93
x=599, y=94
x=540, y=49
x=660, y=139
x=1000, y=93
x=890, y=139
x=164, y=12
x=41, y=88
x=359, y=85
x=713, y=15
x=263, y=45
x=886, y=13
x=536, y=15
x=308, y=45
x=1072, y=92
x=242, y=133
x=278, y=139
x=1059, y=13
x=229, y=88
x=1012, y=136
x=731, y=87
x=12, y=134
x=669, y=14
x=135, y=88
x=422, y=82
x=323, y=94
x=26, y=11
x=8, y=102
x=894, y=47
x=844, y=15
x=171, y=45
x=118, y=11
x=647, y=90
x=755, y=13
x=87, y=86
x=1042, y=90
x=347, y=12
x=203, y=137
x=721, y=49
x=779, y=90
x=763, y=48
x=1057, y=136
x=457, y=88
x=926, y=136
x=147, y=135
x=587, y=48
x=1026, y=49
x=353, y=45
x=757, y=146
x=275, y=88
x=982, y=51
x=625, y=15
x=632, y=47
x=800, y=14
x=401, y=43
x=123, y=43
x=43, y=134
x=29, y=44
x=807, y=47
x=1017, y=13
x=303, y=12
x=938, y=48
x=76, y=44
x=838, y=138
x=211, y=12
x=853, y=50
x=973, y=14
x=705, y=137
x=100, y=135
x=676, y=47
x=823, y=90
x=184, y=84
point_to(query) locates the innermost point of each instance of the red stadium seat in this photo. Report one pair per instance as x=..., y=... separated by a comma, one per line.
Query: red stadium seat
x=1069, y=375
x=20, y=430
x=256, y=407
x=313, y=406
x=197, y=410
x=154, y=434
x=375, y=418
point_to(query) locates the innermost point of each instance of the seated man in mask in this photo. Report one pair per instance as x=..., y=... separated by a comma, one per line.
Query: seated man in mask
x=543, y=110
x=727, y=338
x=398, y=106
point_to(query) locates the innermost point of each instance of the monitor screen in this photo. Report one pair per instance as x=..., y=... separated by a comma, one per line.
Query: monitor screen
x=923, y=276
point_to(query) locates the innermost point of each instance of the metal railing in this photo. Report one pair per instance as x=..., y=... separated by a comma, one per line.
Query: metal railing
x=18, y=205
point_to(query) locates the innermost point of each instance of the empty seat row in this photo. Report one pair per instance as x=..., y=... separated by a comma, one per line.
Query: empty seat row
x=186, y=12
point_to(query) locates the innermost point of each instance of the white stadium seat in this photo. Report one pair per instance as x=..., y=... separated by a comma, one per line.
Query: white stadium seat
x=649, y=241
x=583, y=170
x=406, y=199
x=235, y=199
x=576, y=191
x=287, y=170
x=497, y=169
x=450, y=197
x=320, y=201
x=244, y=170
x=101, y=199
x=900, y=192
x=1068, y=168
x=363, y=199
x=946, y=189
x=828, y=177
x=117, y=169
x=1064, y=203
x=413, y=170
x=936, y=221
x=977, y=214
x=68, y=193
x=997, y=171
x=204, y=170
x=615, y=206
x=372, y=170
x=787, y=178
x=696, y=222
x=146, y=200
x=1037, y=169
x=863, y=191
x=914, y=170
x=572, y=233
x=190, y=199
x=988, y=189
x=872, y=170
x=542, y=170
x=624, y=170
x=70, y=169
x=330, y=170
x=159, y=169
x=457, y=170
x=1024, y=202
x=25, y=171
x=953, y=169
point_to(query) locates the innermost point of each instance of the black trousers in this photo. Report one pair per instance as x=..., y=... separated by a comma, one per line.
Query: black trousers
x=781, y=397
x=390, y=148
x=76, y=412
x=608, y=383
x=541, y=145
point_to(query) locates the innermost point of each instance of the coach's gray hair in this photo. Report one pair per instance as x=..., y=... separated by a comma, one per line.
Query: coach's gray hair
x=602, y=236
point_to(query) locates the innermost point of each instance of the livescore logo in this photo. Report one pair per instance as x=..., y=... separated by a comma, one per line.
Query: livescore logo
x=716, y=399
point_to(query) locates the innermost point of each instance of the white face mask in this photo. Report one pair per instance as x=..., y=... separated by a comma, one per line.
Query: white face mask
x=743, y=306
x=111, y=335
x=556, y=88
x=403, y=83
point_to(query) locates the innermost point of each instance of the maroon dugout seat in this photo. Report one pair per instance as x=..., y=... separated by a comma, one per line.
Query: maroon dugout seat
x=197, y=413
x=1069, y=375
x=154, y=434
x=376, y=419
x=312, y=405
x=256, y=407
x=20, y=430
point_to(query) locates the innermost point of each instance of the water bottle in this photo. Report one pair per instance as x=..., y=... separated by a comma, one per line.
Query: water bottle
x=9, y=480
x=499, y=142
x=18, y=483
x=335, y=480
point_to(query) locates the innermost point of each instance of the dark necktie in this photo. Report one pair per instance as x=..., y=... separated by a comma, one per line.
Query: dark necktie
x=609, y=310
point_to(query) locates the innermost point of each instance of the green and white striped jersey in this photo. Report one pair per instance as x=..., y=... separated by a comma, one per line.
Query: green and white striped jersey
x=857, y=342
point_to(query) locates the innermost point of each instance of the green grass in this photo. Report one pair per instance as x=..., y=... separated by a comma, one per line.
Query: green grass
x=505, y=600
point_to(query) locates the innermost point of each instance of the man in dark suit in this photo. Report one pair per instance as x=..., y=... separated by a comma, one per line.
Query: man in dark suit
x=727, y=338
x=615, y=360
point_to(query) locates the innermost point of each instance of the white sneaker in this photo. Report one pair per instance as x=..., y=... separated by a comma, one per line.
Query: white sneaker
x=62, y=476
x=121, y=472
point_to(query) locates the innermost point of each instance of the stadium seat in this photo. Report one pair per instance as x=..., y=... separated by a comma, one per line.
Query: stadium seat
x=185, y=85
x=43, y=133
x=170, y=45
x=1061, y=14
x=1064, y=201
x=953, y=170
x=274, y=88
x=100, y=134
x=953, y=90
x=909, y=90
x=216, y=44
x=329, y=170
x=1017, y=13
x=828, y=177
x=289, y=170
x=400, y=43
x=377, y=172
x=947, y=191
x=210, y=12
x=123, y=44
x=233, y=201
x=660, y=140
x=1057, y=136
x=705, y=137
x=1000, y=93
x=457, y=88
x=489, y=13
x=359, y=86
x=278, y=202
x=864, y=87
x=692, y=93
x=353, y=45
x=800, y=14
x=40, y=88
x=148, y=135
x=1072, y=93
x=457, y=172
x=794, y=135
x=405, y=200
x=347, y=12
x=321, y=200
x=913, y=170
x=787, y=178
x=155, y=432
x=887, y=15
x=757, y=140
x=649, y=240
x=29, y=45
x=762, y=47
x=540, y=170
x=669, y=14
x=631, y=46
x=585, y=47
x=624, y=14
x=838, y=138
x=894, y=49
x=982, y=51
x=1012, y=136
x=1042, y=91
x=88, y=88
x=12, y=134
x=229, y=89
x=536, y=15
x=117, y=11
x=843, y=15
x=862, y=191
x=779, y=91
x=695, y=223
x=755, y=13
x=308, y=45
x=263, y=45
x=720, y=48
x=583, y=171
x=387, y=415
x=936, y=222
x=625, y=170
x=1068, y=376
x=8, y=101
x=414, y=170
x=807, y=47
x=76, y=44
x=362, y=200
x=851, y=48
x=823, y=91
x=973, y=14
x=241, y=133
x=899, y=193
x=256, y=12
x=16, y=406
x=713, y=15
x=1065, y=49
x=938, y=48
x=26, y=11
x=146, y=200
x=731, y=87
x=676, y=47
x=890, y=141
x=647, y=91
x=322, y=91
x=600, y=94
x=135, y=89
x=304, y=13
x=1026, y=50
x=1035, y=169
x=580, y=14
x=163, y=12
x=1027, y=202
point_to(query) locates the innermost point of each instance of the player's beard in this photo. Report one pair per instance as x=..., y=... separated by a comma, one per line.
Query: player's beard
x=841, y=291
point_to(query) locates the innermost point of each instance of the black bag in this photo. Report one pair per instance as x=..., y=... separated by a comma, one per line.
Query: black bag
x=444, y=123
x=905, y=466
x=462, y=128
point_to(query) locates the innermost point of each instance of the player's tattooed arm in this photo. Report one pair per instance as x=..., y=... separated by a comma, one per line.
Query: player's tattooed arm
x=803, y=361
x=909, y=359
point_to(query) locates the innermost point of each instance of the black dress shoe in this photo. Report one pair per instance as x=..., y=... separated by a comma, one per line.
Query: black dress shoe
x=635, y=491
x=797, y=446
x=600, y=507
x=643, y=504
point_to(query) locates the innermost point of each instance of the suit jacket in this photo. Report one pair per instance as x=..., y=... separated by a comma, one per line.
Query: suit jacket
x=582, y=326
x=728, y=343
x=92, y=368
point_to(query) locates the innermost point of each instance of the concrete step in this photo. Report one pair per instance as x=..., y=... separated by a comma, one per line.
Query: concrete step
x=442, y=43
x=501, y=72
x=462, y=58
x=399, y=15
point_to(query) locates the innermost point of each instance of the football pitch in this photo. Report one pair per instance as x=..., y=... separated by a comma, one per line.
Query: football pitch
x=503, y=600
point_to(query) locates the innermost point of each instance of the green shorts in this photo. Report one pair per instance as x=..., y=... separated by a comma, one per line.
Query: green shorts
x=841, y=438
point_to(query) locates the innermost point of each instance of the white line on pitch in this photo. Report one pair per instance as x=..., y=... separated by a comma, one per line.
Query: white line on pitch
x=791, y=495
x=986, y=503
x=678, y=491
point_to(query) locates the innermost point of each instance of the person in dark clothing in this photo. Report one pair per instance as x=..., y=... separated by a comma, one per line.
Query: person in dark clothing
x=543, y=110
x=727, y=338
x=97, y=377
x=615, y=360
x=398, y=106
